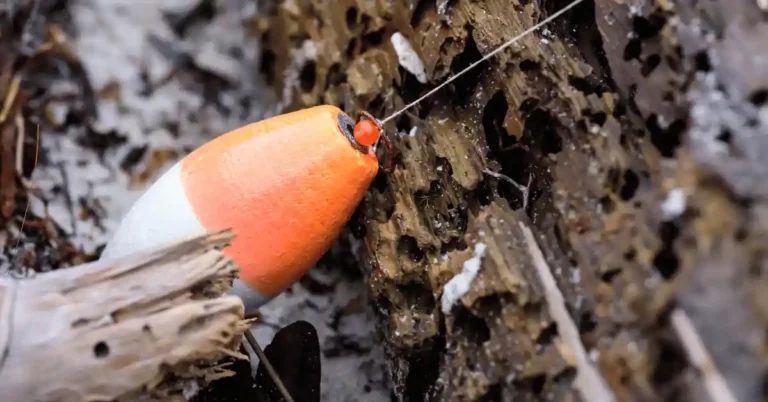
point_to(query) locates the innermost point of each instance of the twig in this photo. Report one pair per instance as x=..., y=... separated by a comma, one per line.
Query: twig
x=21, y=174
x=271, y=370
x=57, y=42
x=714, y=383
x=588, y=380
x=10, y=97
x=523, y=189
x=20, y=134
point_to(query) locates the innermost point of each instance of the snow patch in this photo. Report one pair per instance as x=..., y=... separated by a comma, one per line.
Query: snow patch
x=460, y=284
x=408, y=58
x=674, y=205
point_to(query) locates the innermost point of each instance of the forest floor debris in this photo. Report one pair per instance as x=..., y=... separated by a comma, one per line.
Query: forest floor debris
x=132, y=91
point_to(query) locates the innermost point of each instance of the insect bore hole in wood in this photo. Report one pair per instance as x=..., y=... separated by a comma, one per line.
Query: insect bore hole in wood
x=541, y=126
x=424, y=369
x=472, y=327
x=631, y=181
x=665, y=137
x=534, y=384
x=666, y=261
x=101, y=350
x=670, y=363
x=759, y=97
x=335, y=77
x=422, y=7
x=504, y=149
x=351, y=17
x=456, y=243
x=647, y=28
x=465, y=85
x=308, y=76
x=649, y=64
x=528, y=66
x=633, y=49
x=419, y=297
x=547, y=335
x=267, y=66
x=407, y=245
x=587, y=322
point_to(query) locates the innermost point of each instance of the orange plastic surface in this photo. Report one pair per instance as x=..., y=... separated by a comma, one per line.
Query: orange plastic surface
x=286, y=185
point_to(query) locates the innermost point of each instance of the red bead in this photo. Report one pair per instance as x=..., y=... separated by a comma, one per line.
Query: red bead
x=366, y=133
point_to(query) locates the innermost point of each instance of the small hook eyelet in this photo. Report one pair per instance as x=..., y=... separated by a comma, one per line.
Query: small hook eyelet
x=390, y=166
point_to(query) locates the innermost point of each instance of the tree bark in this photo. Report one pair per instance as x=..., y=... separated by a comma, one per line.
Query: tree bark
x=149, y=327
x=641, y=127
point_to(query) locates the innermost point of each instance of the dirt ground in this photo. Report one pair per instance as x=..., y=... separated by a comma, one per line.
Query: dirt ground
x=147, y=83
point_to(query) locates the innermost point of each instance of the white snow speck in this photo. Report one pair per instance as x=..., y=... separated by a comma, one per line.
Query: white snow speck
x=442, y=8
x=408, y=58
x=459, y=285
x=674, y=205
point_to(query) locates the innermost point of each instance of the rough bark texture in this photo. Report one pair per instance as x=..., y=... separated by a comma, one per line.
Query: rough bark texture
x=641, y=124
x=150, y=327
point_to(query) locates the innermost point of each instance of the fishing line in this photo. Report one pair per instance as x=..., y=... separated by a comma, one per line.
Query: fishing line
x=486, y=57
x=267, y=365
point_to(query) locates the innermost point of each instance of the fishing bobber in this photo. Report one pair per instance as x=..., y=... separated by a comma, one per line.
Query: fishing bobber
x=286, y=186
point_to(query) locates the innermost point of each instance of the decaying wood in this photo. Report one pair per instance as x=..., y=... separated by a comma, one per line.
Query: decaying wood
x=714, y=382
x=149, y=327
x=642, y=124
x=588, y=381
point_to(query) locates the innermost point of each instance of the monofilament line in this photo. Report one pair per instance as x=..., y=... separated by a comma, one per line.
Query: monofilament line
x=486, y=57
x=270, y=369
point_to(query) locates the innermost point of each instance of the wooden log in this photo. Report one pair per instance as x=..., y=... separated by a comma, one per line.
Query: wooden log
x=642, y=125
x=147, y=327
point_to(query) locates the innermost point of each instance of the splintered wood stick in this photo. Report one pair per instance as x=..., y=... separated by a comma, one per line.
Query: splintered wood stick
x=150, y=326
x=714, y=383
x=588, y=382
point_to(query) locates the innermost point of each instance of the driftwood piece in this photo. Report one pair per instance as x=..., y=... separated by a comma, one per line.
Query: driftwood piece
x=147, y=327
x=642, y=125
